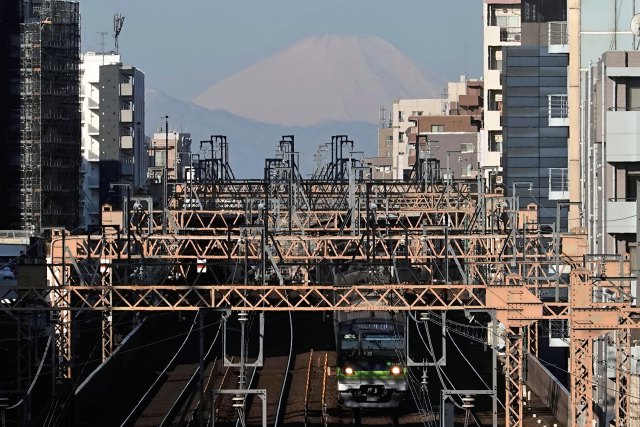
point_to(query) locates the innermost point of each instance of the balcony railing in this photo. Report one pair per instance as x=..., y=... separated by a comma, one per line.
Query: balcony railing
x=558, y=37
x=510, y=34
x=558, y=184
x=558, y=110
x=92, y=130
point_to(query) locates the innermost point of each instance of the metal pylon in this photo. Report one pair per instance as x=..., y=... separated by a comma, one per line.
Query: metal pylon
x=514, y=376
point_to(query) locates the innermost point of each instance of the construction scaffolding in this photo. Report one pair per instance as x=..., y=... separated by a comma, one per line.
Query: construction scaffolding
x=50, y=116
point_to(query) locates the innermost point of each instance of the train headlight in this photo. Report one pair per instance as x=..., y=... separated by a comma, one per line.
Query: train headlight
x=395, y=370
x=348, y=370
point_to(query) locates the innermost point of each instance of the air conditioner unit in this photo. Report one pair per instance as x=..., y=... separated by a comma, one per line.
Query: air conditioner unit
x=499, y=190
x=498, y=179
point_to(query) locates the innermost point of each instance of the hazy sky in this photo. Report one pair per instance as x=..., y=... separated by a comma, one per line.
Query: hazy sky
x=184, y=46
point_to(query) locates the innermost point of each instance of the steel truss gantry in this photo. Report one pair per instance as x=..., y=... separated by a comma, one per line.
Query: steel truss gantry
x=456, y=261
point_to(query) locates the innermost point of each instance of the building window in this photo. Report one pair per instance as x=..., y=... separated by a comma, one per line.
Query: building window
x=495, y=100
x=437, y=128
x=416, y=113
x=495, y=58
x=504, y=16
x=401, y=136
x=159, y=156
x=495, y=141
x=401, y=116
x=633, y=94
x=388, y=154
x=388, y=141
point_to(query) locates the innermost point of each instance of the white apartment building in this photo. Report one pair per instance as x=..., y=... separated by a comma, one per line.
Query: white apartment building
x=113, y=151
x=401, y=111
x=501, y=28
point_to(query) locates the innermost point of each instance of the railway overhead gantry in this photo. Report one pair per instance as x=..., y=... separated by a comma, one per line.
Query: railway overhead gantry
x=344, y=243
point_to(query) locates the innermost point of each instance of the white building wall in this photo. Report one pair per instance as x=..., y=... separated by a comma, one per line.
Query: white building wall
x=456, y=89
x=401, y=111
x=501, y=28
x=90, y=107
x=90, y=63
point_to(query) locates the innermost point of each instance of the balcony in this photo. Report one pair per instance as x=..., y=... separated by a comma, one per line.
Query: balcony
x=622, y=216
x=126, y=89
x=558, y=37
x=92, y=130
x=558, y=184
x=93, y=104
x=126, y=116
x=499, y=35
x=558, y=110
x=510, y=34
x=623, y=136
x=469, y=100
x=92, y=156
x=126, y=142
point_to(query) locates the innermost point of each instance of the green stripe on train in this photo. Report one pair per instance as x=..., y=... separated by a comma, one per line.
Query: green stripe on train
x=369, y=374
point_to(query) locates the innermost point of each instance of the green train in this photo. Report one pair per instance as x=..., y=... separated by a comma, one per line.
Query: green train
x=371, y=371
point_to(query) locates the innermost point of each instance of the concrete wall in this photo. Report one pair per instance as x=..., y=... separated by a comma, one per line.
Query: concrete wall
x=548, y=389
x=110, y=392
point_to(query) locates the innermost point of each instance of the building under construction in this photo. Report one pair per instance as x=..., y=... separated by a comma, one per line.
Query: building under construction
x=10, y=12
x=50, y=115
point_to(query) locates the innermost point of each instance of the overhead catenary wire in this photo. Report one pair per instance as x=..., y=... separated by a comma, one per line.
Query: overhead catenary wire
x=35, y=378
x=440, y=373
x=448, y=331
x=545, y=362
x=196, y=372
x=286, y=372
x=91, y=360
x=422, y=405
x=166, y=368
x=472, y=367
x=76, y=383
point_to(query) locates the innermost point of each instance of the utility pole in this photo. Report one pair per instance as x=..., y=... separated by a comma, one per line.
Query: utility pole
x=165, y=175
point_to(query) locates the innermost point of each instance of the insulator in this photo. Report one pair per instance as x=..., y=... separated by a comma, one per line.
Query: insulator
x=238, y=401
x=467, y=402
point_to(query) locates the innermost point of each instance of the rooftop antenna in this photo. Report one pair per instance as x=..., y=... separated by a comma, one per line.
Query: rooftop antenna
x=382, y=118
x=118, y=22
x=635, y=29
x=466, y=76
x=102, y=34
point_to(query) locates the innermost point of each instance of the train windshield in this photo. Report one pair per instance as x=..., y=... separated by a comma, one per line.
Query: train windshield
x=368, y=345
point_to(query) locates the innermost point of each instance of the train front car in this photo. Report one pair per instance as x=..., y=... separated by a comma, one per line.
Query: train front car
x=371, y=372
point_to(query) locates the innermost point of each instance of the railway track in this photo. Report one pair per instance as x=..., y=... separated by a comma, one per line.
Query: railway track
x=311, y=393
x=271, y=377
